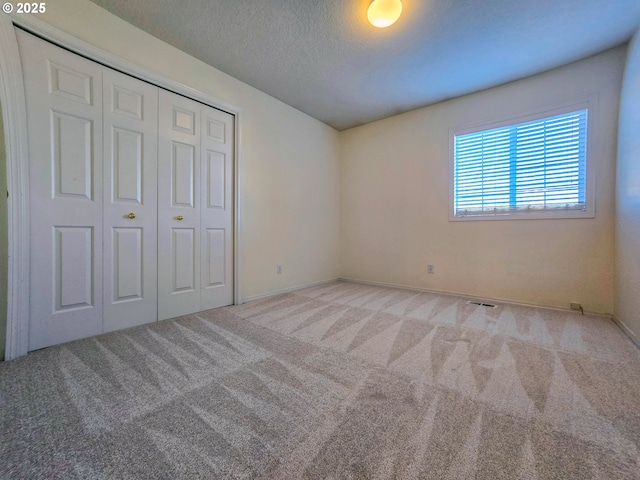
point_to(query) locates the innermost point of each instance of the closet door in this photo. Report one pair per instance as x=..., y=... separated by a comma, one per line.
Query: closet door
x=178, y=206
x=130, y=201
x=217, y=142
x=195, y=207
x=64, y=117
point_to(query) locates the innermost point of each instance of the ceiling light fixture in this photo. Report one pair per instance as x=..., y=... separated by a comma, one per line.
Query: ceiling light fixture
x=383, y=13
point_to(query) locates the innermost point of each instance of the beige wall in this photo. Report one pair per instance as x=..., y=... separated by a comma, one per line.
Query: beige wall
x=627, y=301
x=395, y=201
x=290, y=163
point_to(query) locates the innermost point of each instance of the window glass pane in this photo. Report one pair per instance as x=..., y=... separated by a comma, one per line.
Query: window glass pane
x=535, y=166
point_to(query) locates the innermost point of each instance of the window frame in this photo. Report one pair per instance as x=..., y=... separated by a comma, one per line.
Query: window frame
x=590, y=104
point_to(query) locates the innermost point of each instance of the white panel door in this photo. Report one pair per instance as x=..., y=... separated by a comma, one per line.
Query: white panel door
x=195, y=207
x=130, y=201
x=217, y=143
x=179, y=187
x=64, y=116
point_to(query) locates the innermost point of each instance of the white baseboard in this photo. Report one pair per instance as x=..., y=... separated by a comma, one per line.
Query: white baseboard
x=475, y=297
x=288, y=290
x=627, y=331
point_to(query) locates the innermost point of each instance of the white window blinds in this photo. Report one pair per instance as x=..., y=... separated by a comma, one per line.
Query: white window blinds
x=533, y=166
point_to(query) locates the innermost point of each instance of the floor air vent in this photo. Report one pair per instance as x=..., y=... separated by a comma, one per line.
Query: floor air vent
x=490, y=305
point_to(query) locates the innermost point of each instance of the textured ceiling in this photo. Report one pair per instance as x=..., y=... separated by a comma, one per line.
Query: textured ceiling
x=323, y=57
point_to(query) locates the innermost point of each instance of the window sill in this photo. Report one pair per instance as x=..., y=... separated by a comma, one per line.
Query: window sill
x=533, y=215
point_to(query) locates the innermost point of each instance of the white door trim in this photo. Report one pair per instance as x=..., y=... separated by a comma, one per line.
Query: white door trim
x=15, y=129
x=14, y=116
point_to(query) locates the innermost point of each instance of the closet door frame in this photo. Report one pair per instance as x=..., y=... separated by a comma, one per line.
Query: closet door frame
x=14, y=116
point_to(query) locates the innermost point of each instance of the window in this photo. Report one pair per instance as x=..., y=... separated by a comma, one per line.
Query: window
x=533, y=169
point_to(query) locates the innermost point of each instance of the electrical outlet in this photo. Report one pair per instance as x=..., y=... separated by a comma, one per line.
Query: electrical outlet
x=279, y=269
x=431, y=269
x=577, y=306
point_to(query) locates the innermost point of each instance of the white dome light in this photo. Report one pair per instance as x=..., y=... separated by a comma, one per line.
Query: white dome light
x=383, y=13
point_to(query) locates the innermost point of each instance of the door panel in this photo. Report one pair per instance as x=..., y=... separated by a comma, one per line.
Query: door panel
x=72, y=155
x=183, y=167
x=73, y=279
x=126, y=184
x=178, y=211
x=217, y=208
x=215, y=257
x=184, y=117
x=217, y=128
x=64, y=121
x=130, y=172
x=216, y=188
x=128, y=102
x=69, y=83
x=128, y=264
x=184, y=259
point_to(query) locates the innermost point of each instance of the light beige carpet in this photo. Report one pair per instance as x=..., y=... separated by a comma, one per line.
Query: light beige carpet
x=340, y=381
